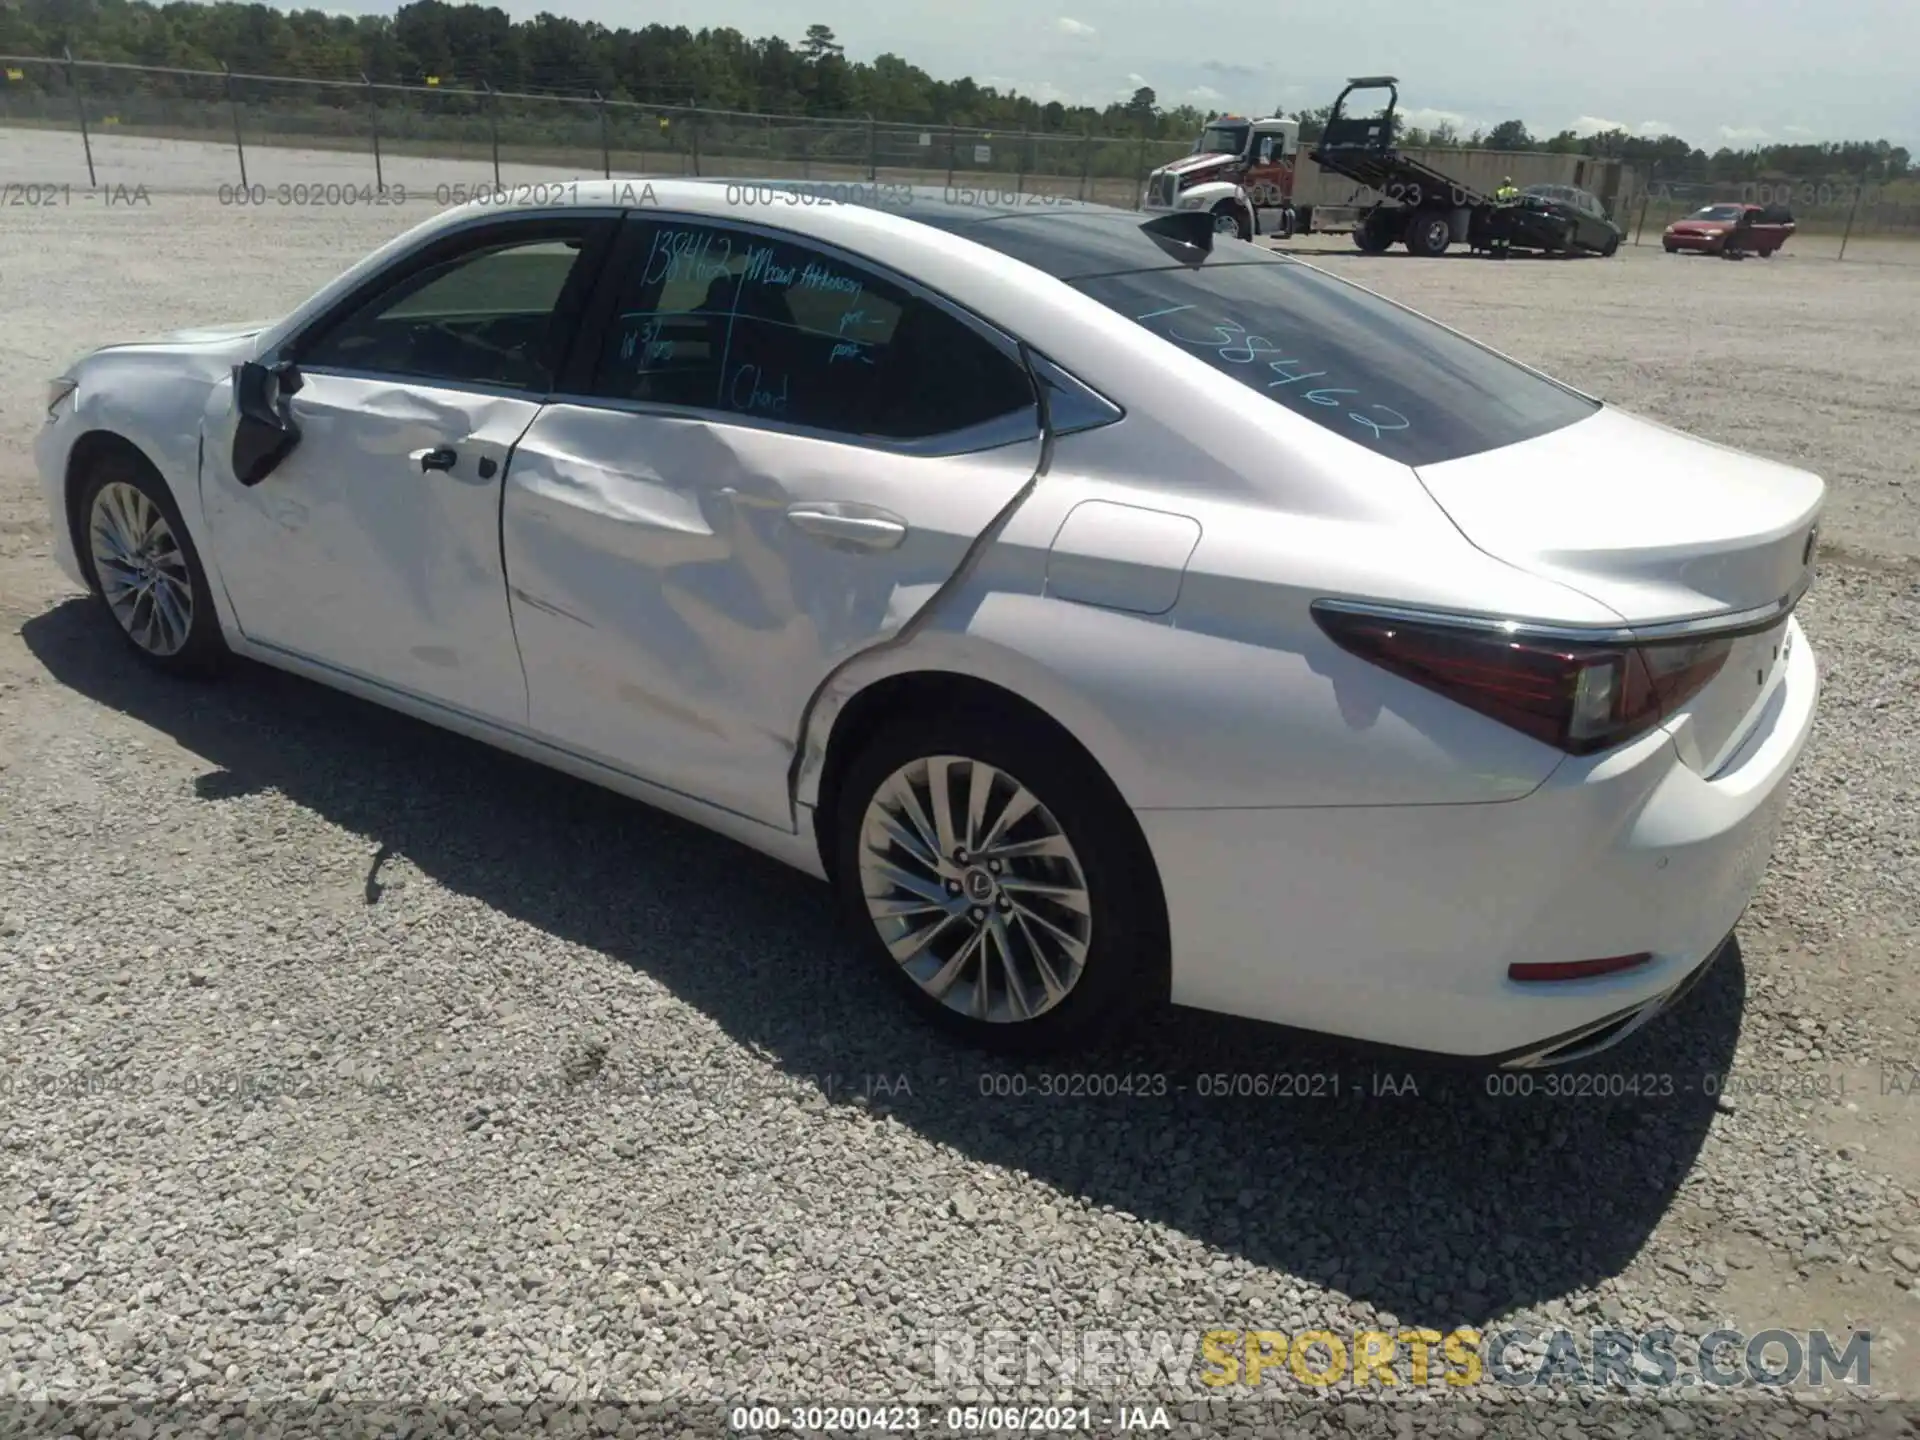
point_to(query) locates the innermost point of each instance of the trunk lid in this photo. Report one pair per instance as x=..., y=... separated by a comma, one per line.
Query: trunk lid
x=1660, y=527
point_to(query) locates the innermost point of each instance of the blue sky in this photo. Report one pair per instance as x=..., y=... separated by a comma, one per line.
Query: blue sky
x=1734, y=72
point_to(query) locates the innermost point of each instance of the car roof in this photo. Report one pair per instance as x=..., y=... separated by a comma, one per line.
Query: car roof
x=1061, y=236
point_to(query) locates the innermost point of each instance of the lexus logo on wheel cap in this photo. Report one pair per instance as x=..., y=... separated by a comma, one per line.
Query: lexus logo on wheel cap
x=979, y=885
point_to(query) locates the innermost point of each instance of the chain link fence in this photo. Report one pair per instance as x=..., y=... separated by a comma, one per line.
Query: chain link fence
x=249, y=132
x=261, y=130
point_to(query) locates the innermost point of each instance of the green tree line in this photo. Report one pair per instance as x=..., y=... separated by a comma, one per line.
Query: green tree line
x=1666, y=156
x=473, y=46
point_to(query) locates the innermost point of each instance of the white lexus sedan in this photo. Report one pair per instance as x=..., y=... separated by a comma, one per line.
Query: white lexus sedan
x=1113, y=612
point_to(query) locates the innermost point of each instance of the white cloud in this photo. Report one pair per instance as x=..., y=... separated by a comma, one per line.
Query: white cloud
x=1043, y=91
x=1205, y=95
x=1742, y=134
x=1079, y=29
x=1236, y=71
x=1428, y=119
x=1136, y=81
x=1595, y=124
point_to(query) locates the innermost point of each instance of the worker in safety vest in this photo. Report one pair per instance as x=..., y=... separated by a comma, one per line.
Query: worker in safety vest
x=1501, y=227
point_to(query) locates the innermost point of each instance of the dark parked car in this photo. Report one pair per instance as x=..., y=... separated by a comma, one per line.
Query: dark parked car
x=1557, y=219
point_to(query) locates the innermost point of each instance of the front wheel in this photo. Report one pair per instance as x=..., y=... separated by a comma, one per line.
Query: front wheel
x=999, y=882
x=1608, y=250
x=143, y=569
x=1374, y=234
x=1228, y=220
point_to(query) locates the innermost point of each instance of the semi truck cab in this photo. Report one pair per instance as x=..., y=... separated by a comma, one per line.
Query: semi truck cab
x=1240, y=171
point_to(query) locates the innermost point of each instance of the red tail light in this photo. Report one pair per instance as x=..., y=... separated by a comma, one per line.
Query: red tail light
x=1578, y=696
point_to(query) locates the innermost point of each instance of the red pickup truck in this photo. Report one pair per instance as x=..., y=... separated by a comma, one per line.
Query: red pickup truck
x=1731, y=229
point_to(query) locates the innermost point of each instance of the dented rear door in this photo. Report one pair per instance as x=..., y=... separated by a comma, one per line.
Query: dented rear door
x=769, y=453
x=682, y=585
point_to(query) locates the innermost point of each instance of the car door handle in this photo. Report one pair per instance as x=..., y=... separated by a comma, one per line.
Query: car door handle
x=441, y=457
x=848, y=526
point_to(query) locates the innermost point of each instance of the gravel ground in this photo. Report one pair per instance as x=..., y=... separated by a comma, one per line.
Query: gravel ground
x=349, y=1061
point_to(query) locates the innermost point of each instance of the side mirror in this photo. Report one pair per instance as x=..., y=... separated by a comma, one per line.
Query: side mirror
x=265, y=433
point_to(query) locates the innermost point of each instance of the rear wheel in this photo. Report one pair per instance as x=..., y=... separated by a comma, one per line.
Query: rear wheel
x=999, y=882
x=143, y=569
x=1428, y=233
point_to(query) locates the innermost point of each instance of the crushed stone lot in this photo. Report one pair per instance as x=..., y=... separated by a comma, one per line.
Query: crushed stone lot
x=344, y=1060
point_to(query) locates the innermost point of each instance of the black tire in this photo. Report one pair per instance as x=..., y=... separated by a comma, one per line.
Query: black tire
x=1608, y=250
x=1228, y=210
x=1428, y=234
x=1124, y=974
x=203, y=653
x=1374, y=235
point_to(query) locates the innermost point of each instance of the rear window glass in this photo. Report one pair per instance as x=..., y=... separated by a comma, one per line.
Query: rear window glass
x=1386, y=378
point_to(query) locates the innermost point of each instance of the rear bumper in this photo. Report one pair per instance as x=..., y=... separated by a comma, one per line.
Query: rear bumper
x=1395, y=925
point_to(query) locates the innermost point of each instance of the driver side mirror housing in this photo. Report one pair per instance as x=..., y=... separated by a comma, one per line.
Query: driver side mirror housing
x=264, y=433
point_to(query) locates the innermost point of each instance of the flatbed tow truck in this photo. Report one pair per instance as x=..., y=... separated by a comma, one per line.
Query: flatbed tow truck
x=1419, y=206
x=1241, y=173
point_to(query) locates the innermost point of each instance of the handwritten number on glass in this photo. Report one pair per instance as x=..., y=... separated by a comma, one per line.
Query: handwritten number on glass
x=1231, y=342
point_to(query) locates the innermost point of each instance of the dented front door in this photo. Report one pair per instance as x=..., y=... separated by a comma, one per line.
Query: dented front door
x=374, y=547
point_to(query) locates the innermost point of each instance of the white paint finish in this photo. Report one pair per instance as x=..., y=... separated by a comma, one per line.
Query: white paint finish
x=1122, y=557
x=1397, y=924
x=350, y=554
x=152, y=395
x=1647, y=520
x=684, y=634
x=675, y=622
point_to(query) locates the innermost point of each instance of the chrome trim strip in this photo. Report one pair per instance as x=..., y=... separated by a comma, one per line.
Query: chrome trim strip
x=1726, y=624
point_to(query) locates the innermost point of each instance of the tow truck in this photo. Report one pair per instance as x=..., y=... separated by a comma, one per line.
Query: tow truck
x=1427, y=211
x=1418, y=205
x=1241, y=172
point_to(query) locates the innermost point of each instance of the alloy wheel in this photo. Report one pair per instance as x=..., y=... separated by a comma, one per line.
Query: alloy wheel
x=975, y=889
x=142, y=570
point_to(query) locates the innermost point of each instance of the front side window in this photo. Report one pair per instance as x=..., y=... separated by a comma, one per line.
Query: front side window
x=713, y=318
x=1393, y=381
x=485, y=316
x=1222, y=140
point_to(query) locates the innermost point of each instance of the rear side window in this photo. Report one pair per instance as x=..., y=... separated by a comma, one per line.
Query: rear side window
x=1386, y=378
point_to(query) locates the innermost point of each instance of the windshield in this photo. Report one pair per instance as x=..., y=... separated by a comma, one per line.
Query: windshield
x=1718, y=212
x=1401, y=385
x=1222, y=140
